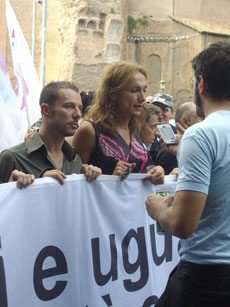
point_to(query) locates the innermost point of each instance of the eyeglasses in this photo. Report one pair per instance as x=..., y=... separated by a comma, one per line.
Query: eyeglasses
x=165, y=109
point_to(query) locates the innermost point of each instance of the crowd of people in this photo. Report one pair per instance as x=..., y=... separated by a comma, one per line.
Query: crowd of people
x=114, y=132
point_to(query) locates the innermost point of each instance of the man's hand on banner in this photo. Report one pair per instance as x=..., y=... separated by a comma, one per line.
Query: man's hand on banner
x=56, y=174
x=23, y=180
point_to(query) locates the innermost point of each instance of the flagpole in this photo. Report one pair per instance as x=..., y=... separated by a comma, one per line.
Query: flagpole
x=34, y=32
x=24, y=96
x=43, y=51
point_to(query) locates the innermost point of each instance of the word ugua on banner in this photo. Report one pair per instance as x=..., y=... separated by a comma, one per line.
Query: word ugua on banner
x=140, y=265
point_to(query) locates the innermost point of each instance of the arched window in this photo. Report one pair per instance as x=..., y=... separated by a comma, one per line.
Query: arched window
x=81, y=23
x=91, y=24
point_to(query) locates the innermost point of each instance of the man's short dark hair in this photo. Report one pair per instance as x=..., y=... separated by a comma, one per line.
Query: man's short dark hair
x=213, y=64
x=51, y=92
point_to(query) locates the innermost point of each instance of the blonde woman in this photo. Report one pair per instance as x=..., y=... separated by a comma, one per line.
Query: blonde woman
x=106, y=138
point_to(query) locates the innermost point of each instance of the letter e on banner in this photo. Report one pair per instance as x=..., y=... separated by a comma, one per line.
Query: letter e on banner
x=40, y=274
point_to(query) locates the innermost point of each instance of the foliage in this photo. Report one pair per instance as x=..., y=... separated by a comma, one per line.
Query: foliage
x=143, y=22
x=132, y=24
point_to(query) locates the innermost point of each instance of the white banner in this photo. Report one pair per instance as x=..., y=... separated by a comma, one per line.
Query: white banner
x=11, y=128
x=27, y=86
x=82, y=244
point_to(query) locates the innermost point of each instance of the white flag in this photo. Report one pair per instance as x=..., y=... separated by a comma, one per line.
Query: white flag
x=11, y=121
x=27, y=86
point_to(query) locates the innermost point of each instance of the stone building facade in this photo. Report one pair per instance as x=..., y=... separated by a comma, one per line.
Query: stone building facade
x=163, y=36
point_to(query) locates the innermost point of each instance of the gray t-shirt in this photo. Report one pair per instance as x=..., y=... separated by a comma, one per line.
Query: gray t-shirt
x=204, y=163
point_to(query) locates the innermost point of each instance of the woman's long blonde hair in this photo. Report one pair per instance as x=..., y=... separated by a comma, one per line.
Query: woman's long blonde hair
x=115, y=78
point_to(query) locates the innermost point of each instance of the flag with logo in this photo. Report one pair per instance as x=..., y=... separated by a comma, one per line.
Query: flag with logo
x=27, y=88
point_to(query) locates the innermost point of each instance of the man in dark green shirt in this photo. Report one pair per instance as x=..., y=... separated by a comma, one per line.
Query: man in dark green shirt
x=46, y=153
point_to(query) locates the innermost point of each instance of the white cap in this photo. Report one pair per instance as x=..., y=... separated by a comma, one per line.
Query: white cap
x=164, y=99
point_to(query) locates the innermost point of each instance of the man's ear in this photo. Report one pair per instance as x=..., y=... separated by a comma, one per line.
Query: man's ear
x=45, y=110
x=185, y=122
x=202, y=86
